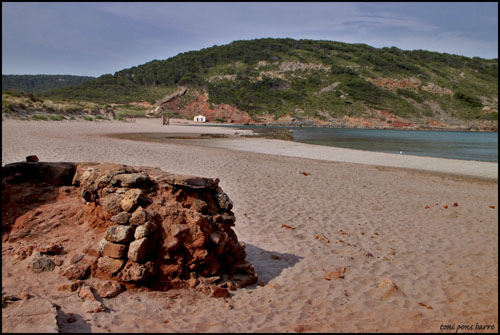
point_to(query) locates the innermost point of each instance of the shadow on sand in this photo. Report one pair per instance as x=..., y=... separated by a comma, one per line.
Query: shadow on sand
x=269, y=264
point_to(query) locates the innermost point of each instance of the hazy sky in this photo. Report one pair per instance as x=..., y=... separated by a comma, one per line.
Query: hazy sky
x=95, y=38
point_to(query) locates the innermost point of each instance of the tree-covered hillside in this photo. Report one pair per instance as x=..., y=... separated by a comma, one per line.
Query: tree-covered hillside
x=40, y=82
x=312, y=79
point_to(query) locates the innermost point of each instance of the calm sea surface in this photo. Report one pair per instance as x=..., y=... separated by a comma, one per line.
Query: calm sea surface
x=477, y=146
x=444, y=144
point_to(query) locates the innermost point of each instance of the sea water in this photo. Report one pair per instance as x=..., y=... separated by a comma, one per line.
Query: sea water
x=472, y=146
x=479, y=146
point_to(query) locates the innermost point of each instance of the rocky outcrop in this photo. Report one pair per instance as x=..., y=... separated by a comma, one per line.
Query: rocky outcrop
x=158, y=107
x=411, y=83
x=436, y=89
x=152, y=228
x=200, y=105
x=291, y=69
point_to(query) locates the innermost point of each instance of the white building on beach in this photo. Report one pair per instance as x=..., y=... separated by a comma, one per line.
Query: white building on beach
x=200, y=118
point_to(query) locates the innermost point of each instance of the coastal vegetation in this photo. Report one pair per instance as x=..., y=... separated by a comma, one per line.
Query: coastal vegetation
x=305, y=79
x=40, y=82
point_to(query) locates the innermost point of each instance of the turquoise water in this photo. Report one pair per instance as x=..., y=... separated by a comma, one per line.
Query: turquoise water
x=478, y=146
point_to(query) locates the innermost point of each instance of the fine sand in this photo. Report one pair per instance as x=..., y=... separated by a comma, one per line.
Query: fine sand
x=360, y=213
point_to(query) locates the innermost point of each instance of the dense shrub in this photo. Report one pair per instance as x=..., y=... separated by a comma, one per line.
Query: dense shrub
x=469, y=100
x=350, y=64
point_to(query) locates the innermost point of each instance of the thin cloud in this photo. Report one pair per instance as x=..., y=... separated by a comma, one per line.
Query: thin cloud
x=204, y=18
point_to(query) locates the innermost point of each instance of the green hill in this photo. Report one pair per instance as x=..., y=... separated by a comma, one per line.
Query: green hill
x=322, y=81
x=40, y=82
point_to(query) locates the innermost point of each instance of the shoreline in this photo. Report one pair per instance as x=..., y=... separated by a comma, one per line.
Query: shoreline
x=272, y=125
x=189, y=133
x=455, y=167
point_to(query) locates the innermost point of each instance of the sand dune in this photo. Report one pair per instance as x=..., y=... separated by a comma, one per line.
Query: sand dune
x=356, y=216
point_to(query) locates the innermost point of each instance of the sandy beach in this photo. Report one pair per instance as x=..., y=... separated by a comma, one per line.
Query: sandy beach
x=362, y=214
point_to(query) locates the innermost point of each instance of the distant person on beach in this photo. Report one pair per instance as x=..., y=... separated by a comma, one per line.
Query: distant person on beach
x=166, y=120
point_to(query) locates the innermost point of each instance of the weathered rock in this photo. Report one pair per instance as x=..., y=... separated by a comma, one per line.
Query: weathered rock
x=95, y=176
x=179, y=229
x=109, y=289
x=109, y=265
x=42, y=264
x=231, y=286
x=140, y=216
x=223, y=201
x=112, y=203
x=119, y=234
x=51, y=173
x=135, y=272
x=87, y=293
x=189, y=181
x=170, y=271
x=121, y=218
x=219, y=292
x=50, y=249
x=144, y=230
x=88, y=196
x=77, y=257
x=198, y=241
x=181, y=226
x=76, y=271
x=199, y=206
x=170, y=244
x=216, y=238
x=138, y=249
x=71, y=287
x=137, y=180
x=192, y=282
x=24, y=252
x=101, y=245
x=131, y=199
x=114, y=250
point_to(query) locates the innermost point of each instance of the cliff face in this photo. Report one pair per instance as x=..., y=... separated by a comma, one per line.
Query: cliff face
x=374, y=118
x=134, y=227
x=200, y=105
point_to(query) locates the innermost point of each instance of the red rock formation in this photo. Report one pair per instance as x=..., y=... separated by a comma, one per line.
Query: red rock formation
x=150, y=228
x=201, y=106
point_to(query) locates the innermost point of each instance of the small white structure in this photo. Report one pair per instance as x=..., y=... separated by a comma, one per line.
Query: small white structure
x=200, y=118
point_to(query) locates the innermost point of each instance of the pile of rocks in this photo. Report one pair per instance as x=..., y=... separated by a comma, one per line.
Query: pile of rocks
x=128, y=242
x=162, y=230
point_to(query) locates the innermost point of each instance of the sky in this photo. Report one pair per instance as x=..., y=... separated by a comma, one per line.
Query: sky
x=96, y=38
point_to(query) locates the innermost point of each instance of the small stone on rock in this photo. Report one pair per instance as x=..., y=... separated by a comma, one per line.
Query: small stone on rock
x=109, y=289
x=32, y=158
